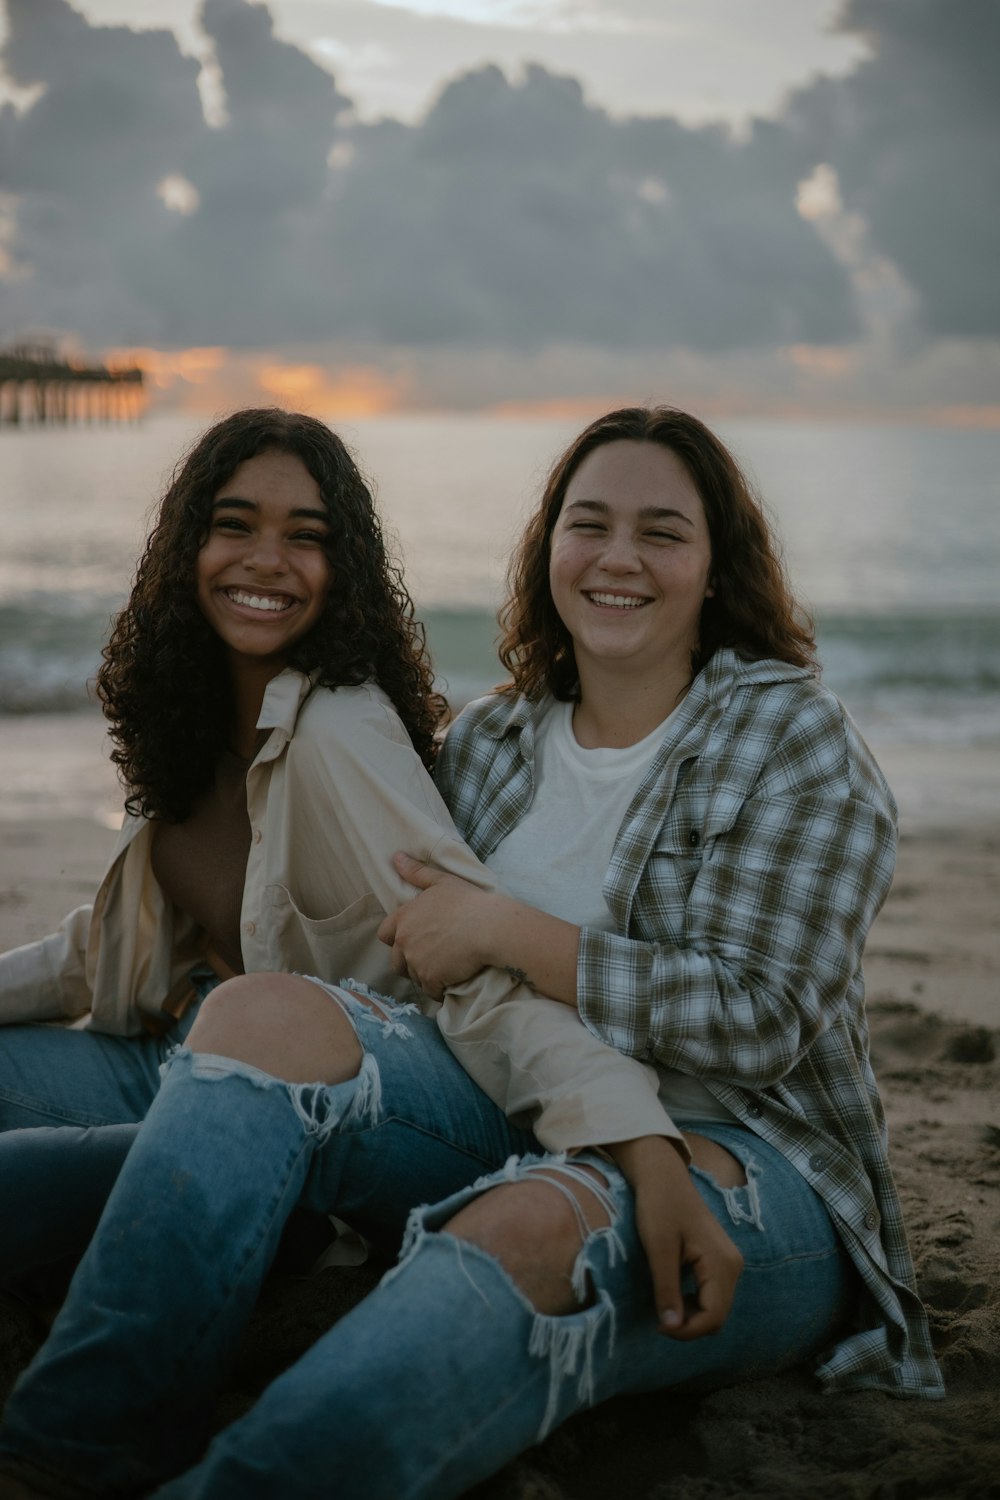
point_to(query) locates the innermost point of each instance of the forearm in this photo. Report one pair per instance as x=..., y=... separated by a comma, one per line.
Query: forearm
x=45, y=981
x=538, y=949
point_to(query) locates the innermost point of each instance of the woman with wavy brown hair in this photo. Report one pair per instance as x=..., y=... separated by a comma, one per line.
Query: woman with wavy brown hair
x=688, y=841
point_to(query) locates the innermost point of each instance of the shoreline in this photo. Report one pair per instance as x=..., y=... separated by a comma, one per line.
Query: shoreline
x=933, y=978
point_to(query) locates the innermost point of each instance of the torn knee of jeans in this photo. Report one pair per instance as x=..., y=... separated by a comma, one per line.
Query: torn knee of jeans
x=320, y=1108
x=567, y=1341
x=598, y=1242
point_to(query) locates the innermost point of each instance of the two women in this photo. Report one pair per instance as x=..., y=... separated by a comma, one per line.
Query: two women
x=726, y=842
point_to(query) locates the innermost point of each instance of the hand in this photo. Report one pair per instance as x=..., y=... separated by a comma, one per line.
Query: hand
x=677, y=1229
x=437, y=938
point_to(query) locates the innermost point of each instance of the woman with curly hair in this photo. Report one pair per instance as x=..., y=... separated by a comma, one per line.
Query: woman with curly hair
x=264, y=610
x=691, y=841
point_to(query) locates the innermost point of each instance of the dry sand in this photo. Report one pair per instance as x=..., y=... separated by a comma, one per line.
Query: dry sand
x=933, y=967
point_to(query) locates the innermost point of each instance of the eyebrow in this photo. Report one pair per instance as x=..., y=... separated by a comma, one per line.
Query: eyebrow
x=647, y=513
x=233, y=502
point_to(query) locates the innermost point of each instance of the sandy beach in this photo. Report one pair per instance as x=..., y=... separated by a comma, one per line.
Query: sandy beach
x=933, y=981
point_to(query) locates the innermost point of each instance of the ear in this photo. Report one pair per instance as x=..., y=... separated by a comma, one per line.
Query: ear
x=710, y=590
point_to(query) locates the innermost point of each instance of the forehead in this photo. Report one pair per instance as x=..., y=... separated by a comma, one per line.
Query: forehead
x=630, y=476
x=272, y=475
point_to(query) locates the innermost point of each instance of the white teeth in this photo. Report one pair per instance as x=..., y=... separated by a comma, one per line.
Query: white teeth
x=259, y=601
x=619, y=601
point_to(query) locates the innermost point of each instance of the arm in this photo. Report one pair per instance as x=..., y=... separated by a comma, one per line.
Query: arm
x=768, y=916
x=46, y=980
x=532, y=1056
x=776, y=915
x=678, y=1229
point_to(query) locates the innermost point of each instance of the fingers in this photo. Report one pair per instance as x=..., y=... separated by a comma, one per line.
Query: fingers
x=415, y=872
x=386, y=932
x=665, y=1266
x=717, y=1270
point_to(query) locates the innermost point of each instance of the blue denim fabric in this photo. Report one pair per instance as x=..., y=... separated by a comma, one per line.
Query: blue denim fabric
x=446, y=1371
x=121, y=1394
x=70, y=1106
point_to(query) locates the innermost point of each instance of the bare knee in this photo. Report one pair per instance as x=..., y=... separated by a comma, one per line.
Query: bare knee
x=280, y=1023
x=535, y=1232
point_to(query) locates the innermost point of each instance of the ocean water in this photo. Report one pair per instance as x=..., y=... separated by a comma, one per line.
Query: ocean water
x=891, y=533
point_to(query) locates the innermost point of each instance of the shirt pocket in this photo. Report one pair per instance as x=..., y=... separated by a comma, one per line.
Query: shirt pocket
x=333, y=948
x=683, y=849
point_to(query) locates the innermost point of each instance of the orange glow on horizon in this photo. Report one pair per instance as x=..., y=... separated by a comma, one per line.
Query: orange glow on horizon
x=207, y=381
x=164, y=367
x=212, y=379
x=820, y=359
x=965, y=416
x=351, y=391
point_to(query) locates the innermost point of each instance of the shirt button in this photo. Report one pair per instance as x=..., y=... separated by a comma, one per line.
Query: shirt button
x=871, y=1219
x=249, y=928
x=694, y=838
x=257, y=835
x=817, y=1163
x=754, y=1110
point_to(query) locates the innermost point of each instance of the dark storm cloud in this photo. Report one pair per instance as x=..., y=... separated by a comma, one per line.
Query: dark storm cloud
x=514, y=215
x=118, y=112
x=517, y=213
x=914, y=135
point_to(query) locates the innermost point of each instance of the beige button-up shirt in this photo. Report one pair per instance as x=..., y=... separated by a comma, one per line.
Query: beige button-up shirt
x=336, y=789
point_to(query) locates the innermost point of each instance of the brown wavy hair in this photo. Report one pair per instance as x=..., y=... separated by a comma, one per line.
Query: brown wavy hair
x=165, y=684
x=752, y=608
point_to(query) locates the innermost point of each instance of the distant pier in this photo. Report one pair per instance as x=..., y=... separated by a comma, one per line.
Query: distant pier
x=38, y=387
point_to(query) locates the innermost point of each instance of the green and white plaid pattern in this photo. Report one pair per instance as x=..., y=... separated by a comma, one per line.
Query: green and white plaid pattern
x=745, y=877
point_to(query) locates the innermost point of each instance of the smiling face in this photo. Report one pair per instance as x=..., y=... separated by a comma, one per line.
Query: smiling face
x=630, y=562
x=263, y=575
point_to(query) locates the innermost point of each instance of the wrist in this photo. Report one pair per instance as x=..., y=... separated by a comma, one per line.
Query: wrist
x=647, y=1153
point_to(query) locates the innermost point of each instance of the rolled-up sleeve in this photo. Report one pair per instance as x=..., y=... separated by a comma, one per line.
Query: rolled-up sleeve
x=774, y=922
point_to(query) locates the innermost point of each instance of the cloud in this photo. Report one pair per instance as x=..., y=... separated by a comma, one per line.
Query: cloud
x=914, y=137
x=517, y=213
x=516, y=216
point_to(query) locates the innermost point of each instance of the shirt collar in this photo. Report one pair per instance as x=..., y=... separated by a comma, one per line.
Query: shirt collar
x=719, y=678
x=283, y=699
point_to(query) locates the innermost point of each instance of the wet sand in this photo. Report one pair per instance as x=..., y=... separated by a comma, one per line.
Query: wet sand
x=933, y=970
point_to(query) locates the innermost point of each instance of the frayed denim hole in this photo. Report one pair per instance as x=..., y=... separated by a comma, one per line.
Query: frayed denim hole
x=319, y=1107
x=568, y=1343
x=389, y=1009
x=365, y=1107
x=742, y=1202
x=174, y=1052
x=384, y=1012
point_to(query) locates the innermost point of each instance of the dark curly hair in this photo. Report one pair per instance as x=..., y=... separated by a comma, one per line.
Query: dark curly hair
x=164, y=684
x=752, y=607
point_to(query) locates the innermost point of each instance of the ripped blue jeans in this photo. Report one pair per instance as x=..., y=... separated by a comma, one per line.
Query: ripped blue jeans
x=440, y=1376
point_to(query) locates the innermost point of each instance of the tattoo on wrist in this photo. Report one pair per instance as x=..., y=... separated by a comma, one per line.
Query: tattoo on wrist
x=519, y=975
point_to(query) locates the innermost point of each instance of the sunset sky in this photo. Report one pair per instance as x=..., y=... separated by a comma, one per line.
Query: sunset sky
x=769, y=206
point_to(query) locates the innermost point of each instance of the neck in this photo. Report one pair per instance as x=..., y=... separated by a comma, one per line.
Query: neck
x=249, y=682
x=614, y=712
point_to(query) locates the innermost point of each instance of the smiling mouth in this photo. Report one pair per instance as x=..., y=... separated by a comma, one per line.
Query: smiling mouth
x=269, y=603
x=616, y=601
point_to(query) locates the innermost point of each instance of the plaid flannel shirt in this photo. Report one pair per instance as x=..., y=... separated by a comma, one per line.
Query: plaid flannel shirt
x=745, y=876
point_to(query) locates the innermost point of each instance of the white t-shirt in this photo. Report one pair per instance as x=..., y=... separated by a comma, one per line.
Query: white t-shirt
x=557, y=857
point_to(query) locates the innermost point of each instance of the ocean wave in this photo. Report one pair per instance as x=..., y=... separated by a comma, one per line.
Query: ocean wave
x=931, y=675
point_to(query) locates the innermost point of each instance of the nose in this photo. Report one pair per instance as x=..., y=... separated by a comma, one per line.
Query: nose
x=266, y=554
x=620, y=554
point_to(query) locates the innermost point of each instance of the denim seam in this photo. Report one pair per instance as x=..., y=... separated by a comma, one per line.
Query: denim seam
x=53, y=1111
